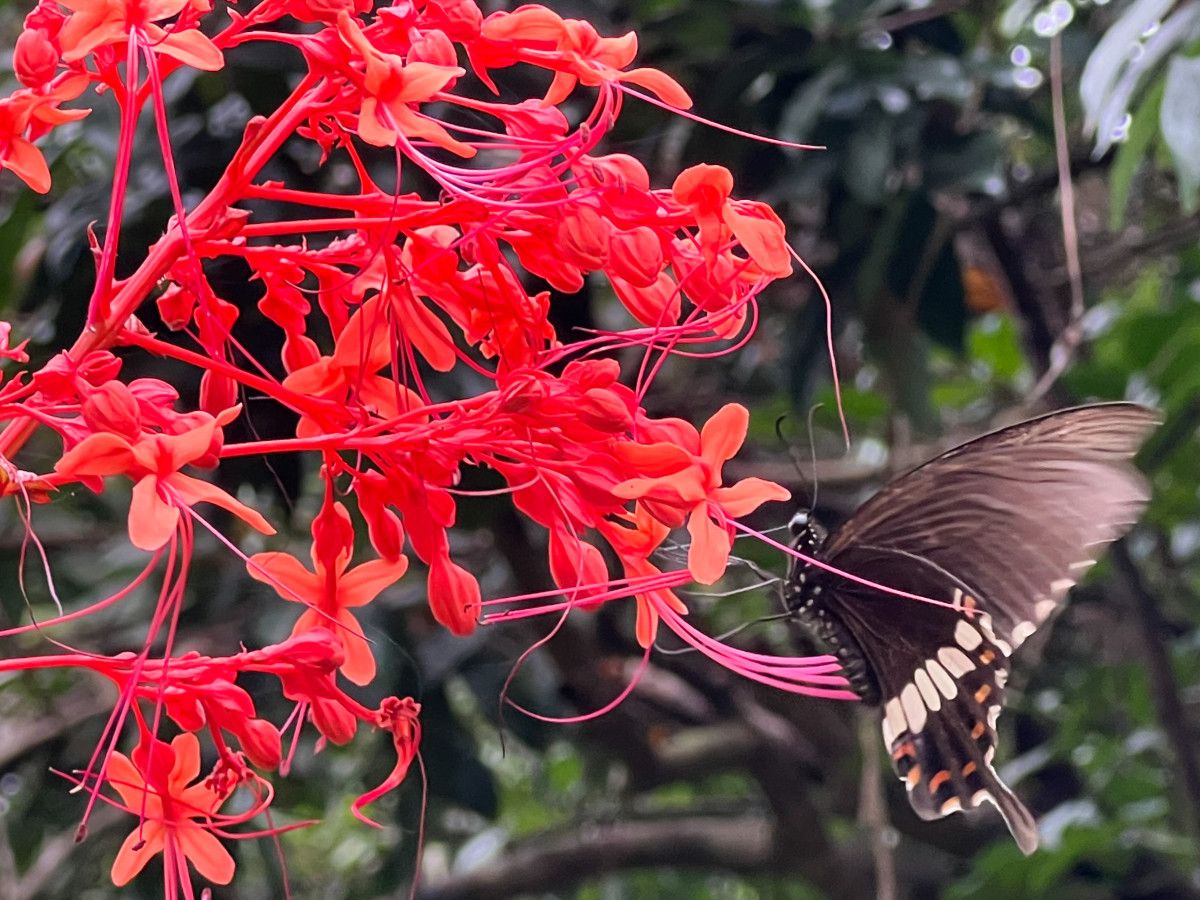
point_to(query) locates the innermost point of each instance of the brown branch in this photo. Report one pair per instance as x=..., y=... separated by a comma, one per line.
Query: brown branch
x=1068, y=342
x=19, y=735
x=872, y=808
x=1167, y=703
x=909, y=17
x=555, y=861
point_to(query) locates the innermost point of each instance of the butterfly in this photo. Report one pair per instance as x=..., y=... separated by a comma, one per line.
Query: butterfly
x=996, y=530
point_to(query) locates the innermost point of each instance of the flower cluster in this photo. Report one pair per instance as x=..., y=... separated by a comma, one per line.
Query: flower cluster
x=373, y=292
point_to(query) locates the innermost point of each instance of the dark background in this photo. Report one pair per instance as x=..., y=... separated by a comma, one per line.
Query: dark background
x=934, y=219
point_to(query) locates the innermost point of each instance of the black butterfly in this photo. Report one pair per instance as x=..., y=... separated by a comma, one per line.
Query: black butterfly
x=999, y=528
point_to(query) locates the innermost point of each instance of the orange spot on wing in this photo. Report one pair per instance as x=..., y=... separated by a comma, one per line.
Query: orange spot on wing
x=938, y=780
x=985, y=691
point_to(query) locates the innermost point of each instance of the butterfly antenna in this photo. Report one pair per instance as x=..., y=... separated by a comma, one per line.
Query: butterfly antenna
x=812, y=448
x=791, y=451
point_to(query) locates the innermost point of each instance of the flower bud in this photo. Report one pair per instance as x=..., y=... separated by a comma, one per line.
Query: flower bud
x=604, y=411
x=454, y=596
x=261, y=742
x=112, y=407
x=34, y=59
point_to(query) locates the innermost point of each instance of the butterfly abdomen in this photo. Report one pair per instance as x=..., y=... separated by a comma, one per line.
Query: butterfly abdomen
x=803, y=598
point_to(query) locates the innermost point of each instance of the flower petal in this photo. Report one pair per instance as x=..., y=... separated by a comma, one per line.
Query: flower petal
x=722, y=435
x=97, y=454
x=206, y=853
x=748, y=495
x=26, y=162
x=287, y=575
x=709, y=554
x=193, y=491
x=152, y=520
x=139, y=848
x=359, y=666
x=192, y=48
x=123, y=775
x=362, y=584
x=187, y=762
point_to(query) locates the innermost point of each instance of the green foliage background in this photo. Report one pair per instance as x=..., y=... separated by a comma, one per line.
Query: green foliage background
x=932, y=217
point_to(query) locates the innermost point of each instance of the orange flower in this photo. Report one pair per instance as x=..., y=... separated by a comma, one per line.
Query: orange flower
x=391, y=86
x=634, y=539
x=348, y=376
x=156, y=788
x=707, y=189
x=331, y=589
x=685, y=483
x=581, y=55
x=97, y=23
x=153, y=461
x=27, y=115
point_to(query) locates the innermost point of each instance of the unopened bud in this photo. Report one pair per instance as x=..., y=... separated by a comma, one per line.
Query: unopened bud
x=34, y=58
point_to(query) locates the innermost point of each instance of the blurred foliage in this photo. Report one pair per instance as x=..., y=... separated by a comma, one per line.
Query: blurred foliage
x=932, y=218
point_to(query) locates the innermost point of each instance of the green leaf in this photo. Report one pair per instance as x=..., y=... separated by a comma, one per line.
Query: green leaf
x=1141, y=58
x=1142, y=131
x=1111, y=56
x=1180, y=118
x=994, y=340
x=869, y=159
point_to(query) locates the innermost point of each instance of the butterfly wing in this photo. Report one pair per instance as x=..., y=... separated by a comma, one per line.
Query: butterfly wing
x=999, y=529
x=1017, y=516
x=940, y=675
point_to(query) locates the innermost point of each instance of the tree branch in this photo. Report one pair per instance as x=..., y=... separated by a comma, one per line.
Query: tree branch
x=1171, y=715
x=553, y=862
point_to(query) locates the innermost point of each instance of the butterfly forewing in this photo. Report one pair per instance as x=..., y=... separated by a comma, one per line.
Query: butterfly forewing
x=996, y=531
x=1017, y=515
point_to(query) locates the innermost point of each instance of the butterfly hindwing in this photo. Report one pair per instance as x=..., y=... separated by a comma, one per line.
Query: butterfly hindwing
x=940, y=731
x=938, y=674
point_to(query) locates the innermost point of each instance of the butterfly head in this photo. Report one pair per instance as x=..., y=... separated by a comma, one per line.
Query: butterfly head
x=808, y=535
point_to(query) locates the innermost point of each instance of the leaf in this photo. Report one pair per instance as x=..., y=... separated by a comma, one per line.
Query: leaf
x=994, y=341
x=1180, y=119
x=869, y=158
x=799, y=120
x=1111, y=55
x=1176, y=31
x=1142, y=131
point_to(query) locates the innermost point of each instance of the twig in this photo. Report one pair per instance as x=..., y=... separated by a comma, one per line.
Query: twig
x=910, y=17
x=872, y=807
x=1064, y=348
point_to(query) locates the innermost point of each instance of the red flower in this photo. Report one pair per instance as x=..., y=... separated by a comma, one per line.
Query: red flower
x=27, y=115
x=684, y=481
x=155, y=785
x=579, y=55
x=160, y=490
x=97, y=23
x=332, y=589
x=707, y=189
x=392, y=88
